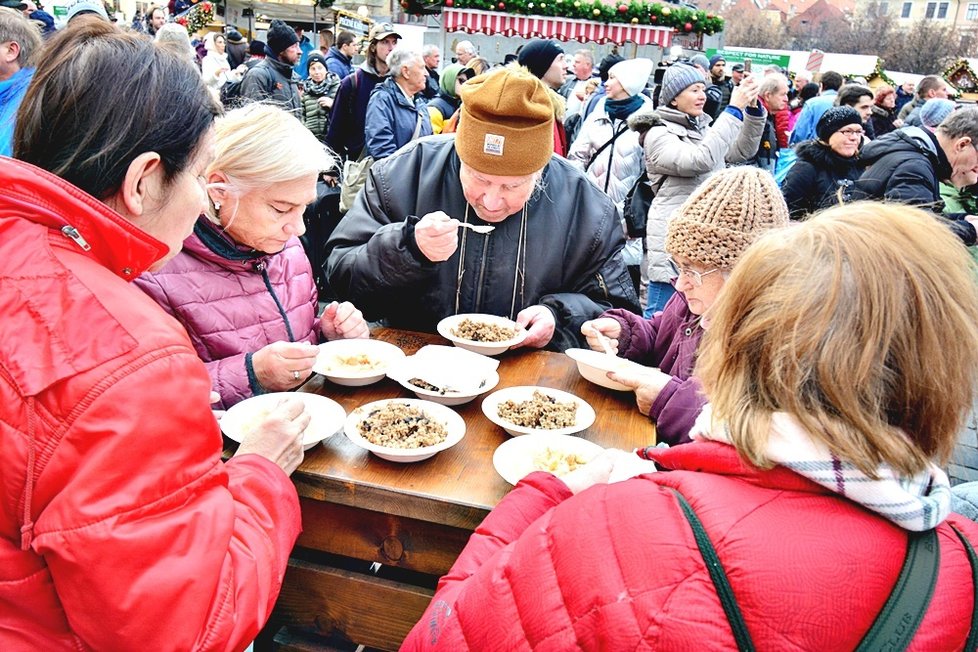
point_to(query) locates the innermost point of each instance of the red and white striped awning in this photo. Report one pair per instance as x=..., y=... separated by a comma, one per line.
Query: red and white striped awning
x=472, y=21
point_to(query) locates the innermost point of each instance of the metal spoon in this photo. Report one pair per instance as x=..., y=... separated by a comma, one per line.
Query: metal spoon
x=477, y=228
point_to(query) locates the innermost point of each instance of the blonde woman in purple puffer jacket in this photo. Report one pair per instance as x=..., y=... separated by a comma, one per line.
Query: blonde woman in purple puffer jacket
x=243, y=286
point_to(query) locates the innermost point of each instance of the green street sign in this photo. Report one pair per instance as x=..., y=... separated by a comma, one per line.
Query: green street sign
x=759, y=59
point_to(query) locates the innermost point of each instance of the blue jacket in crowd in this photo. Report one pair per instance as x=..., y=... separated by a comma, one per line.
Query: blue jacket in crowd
x=392, y=119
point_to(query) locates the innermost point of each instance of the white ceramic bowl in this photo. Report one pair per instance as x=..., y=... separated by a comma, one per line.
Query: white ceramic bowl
x=452, y=422
x=447, y=326
x=327, y=416
x=595, y=365
x=451, y=398
x=490, y=407
x=516, y=458
x=329, y=363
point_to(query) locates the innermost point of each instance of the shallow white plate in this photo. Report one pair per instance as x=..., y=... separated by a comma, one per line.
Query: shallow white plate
x=595, y=365
x=447, y=325
x=468, y=374
x=490, y=405
x=329, y=362
x=451, y=398
x=516, y=458
x=327, y=416
x=452, y=422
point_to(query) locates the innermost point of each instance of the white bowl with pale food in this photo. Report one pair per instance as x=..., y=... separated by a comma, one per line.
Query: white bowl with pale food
x=356, y=362
x=529, y=410
x=326, y=416
x=404, y=429
x=516, y=458
x=485, y=334
x=595, y=365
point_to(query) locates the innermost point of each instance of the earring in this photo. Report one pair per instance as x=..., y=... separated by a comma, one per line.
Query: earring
x=217, y=206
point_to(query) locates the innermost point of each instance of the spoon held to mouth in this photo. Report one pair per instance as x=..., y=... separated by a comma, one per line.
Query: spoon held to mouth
x=477, y=228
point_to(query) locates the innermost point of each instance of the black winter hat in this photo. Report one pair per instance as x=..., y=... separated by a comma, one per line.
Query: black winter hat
x=257, y=48
x=313, y=58
x=606, y=65
x=538, y=55
x=834, y=119
x=280, y=37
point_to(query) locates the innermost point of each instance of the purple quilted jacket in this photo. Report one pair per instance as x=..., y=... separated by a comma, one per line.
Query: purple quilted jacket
x=668, y=341
x=234, y=301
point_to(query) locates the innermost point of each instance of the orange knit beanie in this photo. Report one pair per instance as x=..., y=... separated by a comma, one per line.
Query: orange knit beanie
x=507, y=123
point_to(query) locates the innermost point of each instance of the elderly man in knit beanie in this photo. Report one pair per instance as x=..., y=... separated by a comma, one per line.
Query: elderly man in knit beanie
x=271, y=79
x=552, y=260
x=708, y=235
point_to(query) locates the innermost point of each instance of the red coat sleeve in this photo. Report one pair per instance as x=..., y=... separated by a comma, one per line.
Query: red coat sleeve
x=152, y=542
x=781, y=128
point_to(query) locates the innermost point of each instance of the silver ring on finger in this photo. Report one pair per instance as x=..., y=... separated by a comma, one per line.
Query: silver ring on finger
x=296, y=375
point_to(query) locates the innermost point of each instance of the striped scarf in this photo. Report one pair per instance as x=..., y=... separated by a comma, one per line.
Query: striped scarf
x=915, y=503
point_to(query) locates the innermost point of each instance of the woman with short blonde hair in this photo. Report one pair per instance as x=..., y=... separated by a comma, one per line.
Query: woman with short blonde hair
x=243, y=286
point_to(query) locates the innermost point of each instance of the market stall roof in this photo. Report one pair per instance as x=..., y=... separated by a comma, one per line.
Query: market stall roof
x=564, y=29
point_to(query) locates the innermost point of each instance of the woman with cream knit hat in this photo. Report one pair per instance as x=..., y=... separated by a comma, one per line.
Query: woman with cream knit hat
x=705, y=239
x=682, y=148
x=605, y=148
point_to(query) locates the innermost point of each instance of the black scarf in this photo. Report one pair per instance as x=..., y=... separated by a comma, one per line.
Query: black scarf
x=621, y=109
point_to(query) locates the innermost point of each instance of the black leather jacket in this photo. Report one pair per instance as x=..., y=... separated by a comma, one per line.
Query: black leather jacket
x=572, y=258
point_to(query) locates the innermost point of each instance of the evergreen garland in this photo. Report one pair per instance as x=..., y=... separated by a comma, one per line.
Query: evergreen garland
x=636, y=12
x=198, y=17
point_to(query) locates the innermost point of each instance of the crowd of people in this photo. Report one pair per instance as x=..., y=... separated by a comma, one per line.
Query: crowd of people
x=800, y=304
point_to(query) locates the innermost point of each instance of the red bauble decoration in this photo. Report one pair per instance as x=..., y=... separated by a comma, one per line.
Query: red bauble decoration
x=449, y=3
x=688, y=26
x=654, y=18
x=501, y=6
x=622, y=9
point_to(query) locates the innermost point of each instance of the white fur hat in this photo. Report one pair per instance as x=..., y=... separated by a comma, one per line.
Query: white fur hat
x=633, y=74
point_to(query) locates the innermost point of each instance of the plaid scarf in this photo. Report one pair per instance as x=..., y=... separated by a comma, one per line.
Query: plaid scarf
x=915, y=503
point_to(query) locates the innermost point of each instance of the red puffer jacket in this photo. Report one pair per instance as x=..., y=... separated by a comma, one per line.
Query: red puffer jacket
x=120, y=527
x=233, y=302
x=616, y=567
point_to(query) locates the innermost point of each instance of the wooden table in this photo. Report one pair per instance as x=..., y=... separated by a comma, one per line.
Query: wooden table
x=414, y=519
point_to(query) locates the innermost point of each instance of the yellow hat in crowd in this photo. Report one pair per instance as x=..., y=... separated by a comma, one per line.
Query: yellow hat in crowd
x=507, y=123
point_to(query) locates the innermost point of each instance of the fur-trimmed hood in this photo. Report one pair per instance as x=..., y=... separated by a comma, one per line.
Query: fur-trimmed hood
x=644, y=120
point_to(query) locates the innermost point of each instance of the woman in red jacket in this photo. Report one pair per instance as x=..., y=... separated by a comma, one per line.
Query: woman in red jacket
x=120, y=526
x=840, y=362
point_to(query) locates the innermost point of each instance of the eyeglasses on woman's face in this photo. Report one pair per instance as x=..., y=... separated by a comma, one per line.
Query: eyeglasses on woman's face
x=855, y=132
x=695, y=277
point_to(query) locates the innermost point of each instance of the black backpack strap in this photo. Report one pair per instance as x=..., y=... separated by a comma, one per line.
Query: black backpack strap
x=606, y=145
x=719, y=577
x=900, y=617
x=972, y=642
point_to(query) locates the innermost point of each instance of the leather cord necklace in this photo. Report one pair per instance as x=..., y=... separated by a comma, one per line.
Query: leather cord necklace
x=519, y=275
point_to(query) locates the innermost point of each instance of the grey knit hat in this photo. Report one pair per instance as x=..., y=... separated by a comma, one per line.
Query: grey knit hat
x=701, y=61
x=677, y=78
x=934, y=110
